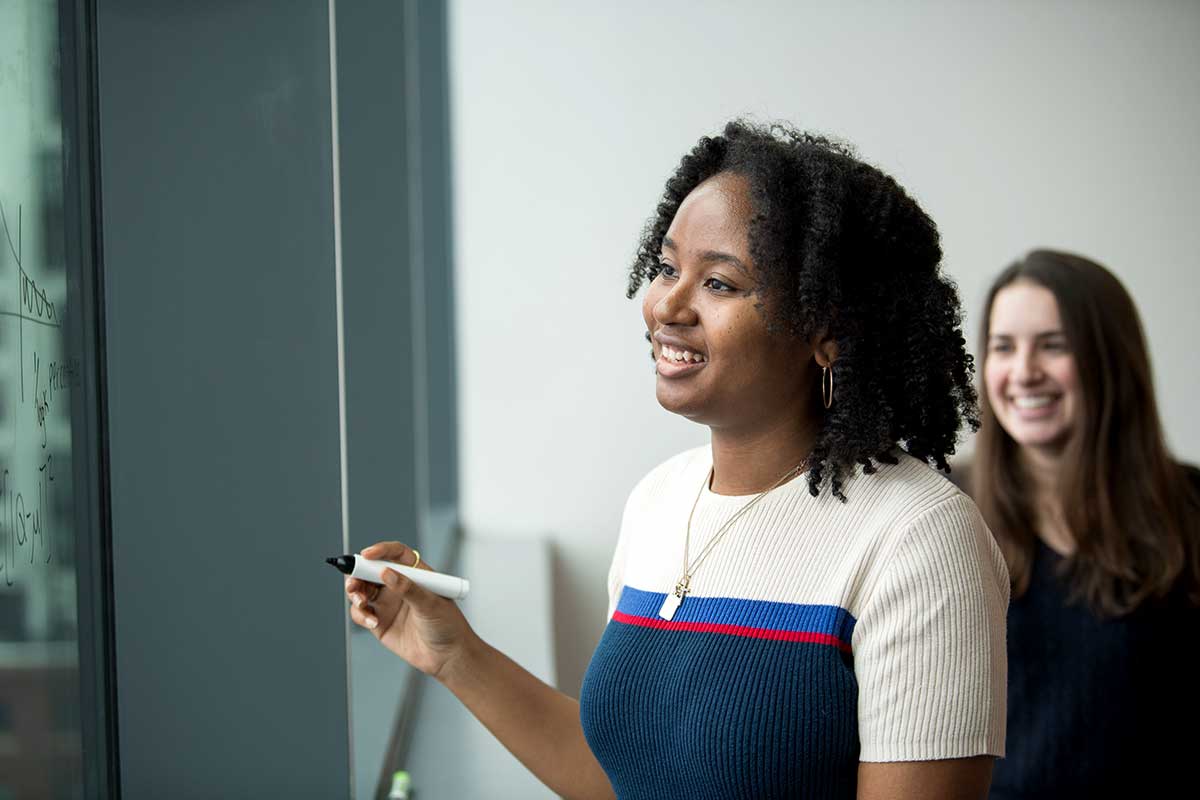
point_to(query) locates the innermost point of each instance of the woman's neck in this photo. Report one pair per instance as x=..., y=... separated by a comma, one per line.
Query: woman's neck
x=751, y=461
x=1042, y=468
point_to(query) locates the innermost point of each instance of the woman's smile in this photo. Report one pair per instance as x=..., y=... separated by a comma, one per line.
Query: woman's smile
x=676, y=358
x=1030, y=407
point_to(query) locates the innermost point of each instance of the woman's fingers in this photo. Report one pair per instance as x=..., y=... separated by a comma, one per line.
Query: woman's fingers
x=396, y=552
x=361, y=589
x=401, y=587
x=363, y=595
x=359, y=599
x=364, y=616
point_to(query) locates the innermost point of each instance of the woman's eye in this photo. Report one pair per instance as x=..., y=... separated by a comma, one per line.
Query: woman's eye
x=1000, y=347
x=1055, y=346
x=666, y=270
x=718, y=285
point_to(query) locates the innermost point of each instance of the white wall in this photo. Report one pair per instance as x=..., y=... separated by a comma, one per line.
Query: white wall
x=1071, y=125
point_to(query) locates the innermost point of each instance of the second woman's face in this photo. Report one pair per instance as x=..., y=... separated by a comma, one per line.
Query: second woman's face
x=716, y=362
x=1029, y=371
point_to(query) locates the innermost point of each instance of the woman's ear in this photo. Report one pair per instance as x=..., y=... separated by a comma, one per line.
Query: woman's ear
x=825, y=349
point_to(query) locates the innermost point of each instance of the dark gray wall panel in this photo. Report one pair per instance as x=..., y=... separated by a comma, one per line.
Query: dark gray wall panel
x=222, y=379
x=377, y=274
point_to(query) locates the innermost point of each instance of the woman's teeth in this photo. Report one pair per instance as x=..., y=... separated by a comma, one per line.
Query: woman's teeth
x=1033, y=401
x=681, y=356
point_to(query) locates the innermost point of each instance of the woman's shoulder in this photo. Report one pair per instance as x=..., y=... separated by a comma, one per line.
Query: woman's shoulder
x=930, y=525
x=693, y=462
x=909, y=487
x=1193, y=475
x=695, y=459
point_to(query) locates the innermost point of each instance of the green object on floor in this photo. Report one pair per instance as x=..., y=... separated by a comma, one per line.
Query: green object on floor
x=401, y=786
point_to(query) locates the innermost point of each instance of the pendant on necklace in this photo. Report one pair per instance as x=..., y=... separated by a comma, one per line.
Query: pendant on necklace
x=674, y=599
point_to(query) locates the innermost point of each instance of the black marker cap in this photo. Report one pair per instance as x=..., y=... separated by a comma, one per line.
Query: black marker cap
x=344, y=564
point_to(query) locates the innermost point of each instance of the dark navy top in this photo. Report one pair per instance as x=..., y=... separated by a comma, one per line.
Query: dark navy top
x=724, y=715
x=1098, y=707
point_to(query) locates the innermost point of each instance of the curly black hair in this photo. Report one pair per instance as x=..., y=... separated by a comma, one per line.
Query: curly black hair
x=840, y=248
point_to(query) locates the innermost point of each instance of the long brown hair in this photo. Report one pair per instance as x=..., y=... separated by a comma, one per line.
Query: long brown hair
x=1132, y=510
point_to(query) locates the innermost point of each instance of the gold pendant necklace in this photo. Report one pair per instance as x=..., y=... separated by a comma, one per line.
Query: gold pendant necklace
x=675, y=598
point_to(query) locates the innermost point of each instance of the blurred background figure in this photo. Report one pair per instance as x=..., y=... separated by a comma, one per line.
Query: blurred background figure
x=1100, y=527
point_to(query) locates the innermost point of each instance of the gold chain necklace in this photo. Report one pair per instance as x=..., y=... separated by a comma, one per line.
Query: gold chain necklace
x=683, y=586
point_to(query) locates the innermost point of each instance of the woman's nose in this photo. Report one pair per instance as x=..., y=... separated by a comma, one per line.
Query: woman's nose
x=676, y=307
x=1029, y=370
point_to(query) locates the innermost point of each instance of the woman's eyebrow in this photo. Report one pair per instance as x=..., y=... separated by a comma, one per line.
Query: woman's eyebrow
x=713, y=257
x=1039, y=335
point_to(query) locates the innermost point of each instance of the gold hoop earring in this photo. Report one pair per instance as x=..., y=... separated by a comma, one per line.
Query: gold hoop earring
x=827, y=394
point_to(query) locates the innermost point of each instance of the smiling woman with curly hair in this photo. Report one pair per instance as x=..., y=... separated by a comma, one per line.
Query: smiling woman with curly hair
x=804, y=607
x=843, y=252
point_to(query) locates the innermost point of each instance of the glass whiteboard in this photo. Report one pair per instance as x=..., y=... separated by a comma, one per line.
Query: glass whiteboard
x=41, y=738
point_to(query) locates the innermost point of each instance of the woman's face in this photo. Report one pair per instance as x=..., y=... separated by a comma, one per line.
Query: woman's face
x=716, y=362
x=1029, y=371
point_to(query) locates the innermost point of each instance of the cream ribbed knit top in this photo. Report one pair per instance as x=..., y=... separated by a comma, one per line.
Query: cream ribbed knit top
x=829, y=632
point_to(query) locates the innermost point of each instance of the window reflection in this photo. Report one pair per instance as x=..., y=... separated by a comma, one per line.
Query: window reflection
x=40, y=751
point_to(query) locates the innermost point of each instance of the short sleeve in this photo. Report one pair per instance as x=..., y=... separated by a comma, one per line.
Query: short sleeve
x=929, y=645
x=615, y=579
x=616, y=570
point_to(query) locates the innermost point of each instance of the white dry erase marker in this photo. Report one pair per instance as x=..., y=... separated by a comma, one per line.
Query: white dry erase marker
x=367, y=569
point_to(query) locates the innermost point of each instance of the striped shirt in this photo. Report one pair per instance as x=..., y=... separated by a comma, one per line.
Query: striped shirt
x=817, y=634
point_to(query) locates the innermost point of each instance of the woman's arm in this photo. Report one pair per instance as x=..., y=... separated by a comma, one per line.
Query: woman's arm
x=931, y=661
x=949, y=779
x=537, y=723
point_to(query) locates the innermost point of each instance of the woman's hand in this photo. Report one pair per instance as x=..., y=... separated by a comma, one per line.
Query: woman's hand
x=537, y=723
x=425, y=630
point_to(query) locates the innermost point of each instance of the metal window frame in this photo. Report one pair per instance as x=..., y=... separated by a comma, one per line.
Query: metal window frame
x=85, y=340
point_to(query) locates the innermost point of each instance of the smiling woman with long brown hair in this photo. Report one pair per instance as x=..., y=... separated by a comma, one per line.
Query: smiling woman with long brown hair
x=803, y=607
x=1100, y=527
